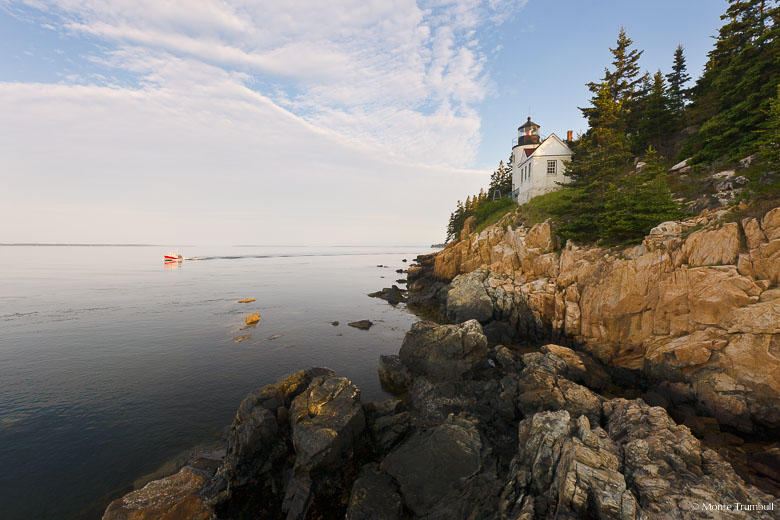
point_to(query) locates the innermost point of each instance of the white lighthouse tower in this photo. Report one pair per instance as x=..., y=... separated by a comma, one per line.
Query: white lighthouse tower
x=537, y=165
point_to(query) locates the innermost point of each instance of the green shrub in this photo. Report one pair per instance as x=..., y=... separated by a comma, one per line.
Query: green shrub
x=488, y=213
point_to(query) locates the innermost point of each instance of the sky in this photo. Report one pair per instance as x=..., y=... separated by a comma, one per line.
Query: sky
x=351, y=122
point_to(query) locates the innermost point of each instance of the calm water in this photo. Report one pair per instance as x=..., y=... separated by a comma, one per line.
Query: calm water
x=112, y=365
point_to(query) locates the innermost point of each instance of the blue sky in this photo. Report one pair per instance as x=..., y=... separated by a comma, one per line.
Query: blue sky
x=230, y=121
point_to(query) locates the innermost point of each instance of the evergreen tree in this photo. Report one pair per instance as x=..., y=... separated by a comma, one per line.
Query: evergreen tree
x=622, y=87
x=501, y=180
x=677, y=80
x=640, y=201
x=480, y=199
x=623, y=81
x=656, y=115
x=598, y=160
x=769, y=135
x=457, y=218
x=739, y=81
x=637, y=137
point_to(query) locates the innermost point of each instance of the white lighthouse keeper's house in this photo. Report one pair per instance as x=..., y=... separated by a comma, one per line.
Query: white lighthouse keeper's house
x=537, y=165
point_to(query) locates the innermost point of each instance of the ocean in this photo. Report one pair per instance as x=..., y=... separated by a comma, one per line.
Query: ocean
x=113, y=366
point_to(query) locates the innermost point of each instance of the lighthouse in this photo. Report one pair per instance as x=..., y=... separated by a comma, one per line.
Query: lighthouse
x=537, y=165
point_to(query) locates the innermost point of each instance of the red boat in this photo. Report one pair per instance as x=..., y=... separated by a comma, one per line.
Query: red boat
x=173, y=257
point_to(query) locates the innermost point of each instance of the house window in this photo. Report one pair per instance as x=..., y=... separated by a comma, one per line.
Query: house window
x=552, y=167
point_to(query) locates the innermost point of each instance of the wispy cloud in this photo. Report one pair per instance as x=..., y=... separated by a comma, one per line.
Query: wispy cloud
x=364, y=68
x=319, y=91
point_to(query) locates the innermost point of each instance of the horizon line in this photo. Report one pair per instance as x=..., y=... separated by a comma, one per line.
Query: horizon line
x=65, y=244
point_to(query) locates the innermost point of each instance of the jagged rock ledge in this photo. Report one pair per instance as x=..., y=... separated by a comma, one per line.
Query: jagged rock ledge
x=694, y=310
x=482, y=432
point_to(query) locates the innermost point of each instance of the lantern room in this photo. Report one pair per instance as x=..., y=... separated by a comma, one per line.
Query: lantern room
x=528, y=133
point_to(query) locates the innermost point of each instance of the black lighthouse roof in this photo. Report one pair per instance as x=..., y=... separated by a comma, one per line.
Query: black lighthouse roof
x=528, y=123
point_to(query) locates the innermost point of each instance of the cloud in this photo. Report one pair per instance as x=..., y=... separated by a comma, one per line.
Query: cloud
x=239, y=97
x=370, y=58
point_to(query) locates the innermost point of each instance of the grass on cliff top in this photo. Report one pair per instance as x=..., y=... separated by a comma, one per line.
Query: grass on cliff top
x=539, y=208
x=491, y=212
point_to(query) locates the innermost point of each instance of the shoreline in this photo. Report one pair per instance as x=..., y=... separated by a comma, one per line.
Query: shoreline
x=460, y=390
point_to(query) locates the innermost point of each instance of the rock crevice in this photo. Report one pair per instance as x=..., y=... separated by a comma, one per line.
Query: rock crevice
x=695, y=303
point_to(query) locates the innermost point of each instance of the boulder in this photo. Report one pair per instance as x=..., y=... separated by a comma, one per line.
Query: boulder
x=667, y=229
x=747, y=161
x=668, y=468
x=589, y=482
x=254, y=442
x=580, y=367
x=468, y=298
x=171, y=498
x=541, y=440
x=434, y=464
x=362, y=324
x=374, y=497
x=326, y=419
x=541, y=237
x=753, y=233
x=567, y=470
x=713, y=247
x=252, y=318
x=393, y=375
x=387, y=430
x=765, y=262
x=758, y=318
x=469, y=225
x=641, y=465
x=541, y=388
x=393, y=295
x=444, y=352
x=770, y=224
x=680, y=165
x=290, y=442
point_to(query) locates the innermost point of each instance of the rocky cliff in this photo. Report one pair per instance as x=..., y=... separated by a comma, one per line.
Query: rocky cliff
x=482, y=432
x=695, y=308
x=674, y=349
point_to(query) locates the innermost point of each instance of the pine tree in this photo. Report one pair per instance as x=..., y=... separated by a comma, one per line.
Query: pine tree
x=637, y=203
x=677, y=80
x=739, y=81
x=769, y=135
x=656, y=116
x=598, y=160
x=457, y=218
x=622, y=84
x=623, y=80
x=480, y=199
x=501, y=180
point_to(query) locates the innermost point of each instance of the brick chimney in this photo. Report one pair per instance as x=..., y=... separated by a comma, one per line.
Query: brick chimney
x=569, y=136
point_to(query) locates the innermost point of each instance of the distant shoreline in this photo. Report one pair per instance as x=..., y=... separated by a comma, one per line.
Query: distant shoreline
x=15, y=244
x=29, y=244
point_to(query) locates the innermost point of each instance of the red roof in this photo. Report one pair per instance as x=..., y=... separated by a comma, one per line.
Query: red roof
x=529, y=151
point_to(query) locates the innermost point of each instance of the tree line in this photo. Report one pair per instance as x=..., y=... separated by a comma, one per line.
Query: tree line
x=732, y=111
x=609, y=199
x=482, y=204
x=729, y=110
